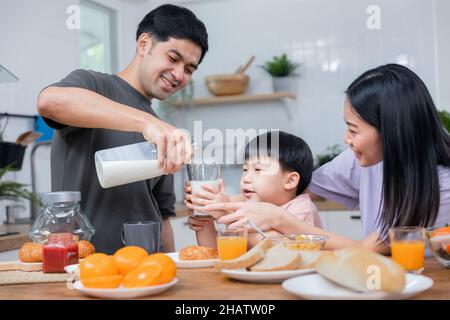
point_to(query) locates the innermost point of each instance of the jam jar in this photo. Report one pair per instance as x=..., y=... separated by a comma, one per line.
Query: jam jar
x=59, y=251
x=61, y=213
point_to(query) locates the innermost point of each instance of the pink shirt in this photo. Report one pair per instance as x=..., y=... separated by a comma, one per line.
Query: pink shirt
x=304, y=209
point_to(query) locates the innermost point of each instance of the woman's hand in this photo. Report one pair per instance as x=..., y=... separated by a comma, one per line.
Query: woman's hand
x=264, y=215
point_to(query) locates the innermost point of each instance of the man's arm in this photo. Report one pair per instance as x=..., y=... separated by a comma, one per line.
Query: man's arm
x=83, y=108
x=167, y=237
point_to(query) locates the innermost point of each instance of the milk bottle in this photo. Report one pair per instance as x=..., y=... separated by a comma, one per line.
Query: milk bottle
x=126, y=164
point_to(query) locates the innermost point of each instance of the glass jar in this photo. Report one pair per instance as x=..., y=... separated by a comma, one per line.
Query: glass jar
x=61, y=213
x=59, y=251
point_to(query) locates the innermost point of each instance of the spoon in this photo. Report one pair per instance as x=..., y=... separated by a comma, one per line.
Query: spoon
x=250, y=222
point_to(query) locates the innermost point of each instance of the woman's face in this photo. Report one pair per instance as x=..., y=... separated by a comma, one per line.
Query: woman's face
x=363, y=138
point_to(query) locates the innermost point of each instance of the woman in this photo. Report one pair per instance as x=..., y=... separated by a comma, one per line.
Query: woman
x=397, y=169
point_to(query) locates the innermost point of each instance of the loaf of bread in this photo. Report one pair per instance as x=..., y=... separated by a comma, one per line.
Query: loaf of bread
x=248, y=259
x=278, y=258
x=197, y=253
x=361, y=270
x=32, y=252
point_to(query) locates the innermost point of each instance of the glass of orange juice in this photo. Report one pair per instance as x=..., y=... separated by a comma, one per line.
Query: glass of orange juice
x=408, y=247
x=231, y=243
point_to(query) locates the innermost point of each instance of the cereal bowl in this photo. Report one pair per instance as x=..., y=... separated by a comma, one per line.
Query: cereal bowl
x=438, y=239
x=309, y=242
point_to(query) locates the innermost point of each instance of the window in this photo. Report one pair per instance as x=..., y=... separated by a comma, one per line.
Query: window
x=98, y=37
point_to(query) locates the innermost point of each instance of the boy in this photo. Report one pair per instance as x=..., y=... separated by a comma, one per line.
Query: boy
x=276, y=172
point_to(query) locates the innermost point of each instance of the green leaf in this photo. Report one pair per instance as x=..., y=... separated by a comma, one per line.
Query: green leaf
x=280, y=66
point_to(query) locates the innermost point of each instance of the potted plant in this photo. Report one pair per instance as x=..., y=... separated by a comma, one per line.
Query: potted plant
x=282, y=71
x=332, y=152
x=12, y=190
x=445, y=119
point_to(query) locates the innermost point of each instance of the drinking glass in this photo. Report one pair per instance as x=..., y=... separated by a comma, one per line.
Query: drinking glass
x=408, y=247
x=231, y=243
x=202, y=174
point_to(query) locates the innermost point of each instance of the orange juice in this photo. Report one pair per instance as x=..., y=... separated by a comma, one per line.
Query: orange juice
x=231, y=247
x=410, y=254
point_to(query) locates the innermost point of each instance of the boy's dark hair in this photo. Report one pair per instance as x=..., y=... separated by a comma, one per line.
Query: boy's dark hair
x=170, y=21
x=292, y=152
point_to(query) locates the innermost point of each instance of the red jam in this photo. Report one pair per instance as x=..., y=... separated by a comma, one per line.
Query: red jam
x=59, y=252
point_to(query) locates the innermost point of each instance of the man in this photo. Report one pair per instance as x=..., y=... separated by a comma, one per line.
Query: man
x=93, y=111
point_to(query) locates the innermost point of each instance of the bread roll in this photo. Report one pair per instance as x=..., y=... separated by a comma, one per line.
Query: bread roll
x=31, y=252
x=85, y=248
x=278, y=258
x=248, y=259
x=361, y=270
x=197, y=253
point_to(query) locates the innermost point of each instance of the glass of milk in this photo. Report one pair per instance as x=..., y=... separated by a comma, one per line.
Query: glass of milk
x=127, y=164
x=202, y=174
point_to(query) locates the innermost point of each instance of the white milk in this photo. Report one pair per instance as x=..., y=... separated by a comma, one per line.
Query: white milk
x=196, y=186
x=115, y=173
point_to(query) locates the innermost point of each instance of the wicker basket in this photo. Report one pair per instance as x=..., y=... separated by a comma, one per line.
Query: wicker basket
x=227, y=84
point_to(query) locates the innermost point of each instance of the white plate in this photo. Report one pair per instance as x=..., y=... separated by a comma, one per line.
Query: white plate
x=71, y=268
x=315, y=287
x=264, y=276
x=123, y=293
x=189, y=264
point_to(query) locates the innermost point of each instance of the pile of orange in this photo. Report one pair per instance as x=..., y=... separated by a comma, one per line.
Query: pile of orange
x=130, y=266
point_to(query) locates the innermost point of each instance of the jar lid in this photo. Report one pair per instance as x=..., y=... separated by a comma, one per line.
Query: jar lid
x=61, y=196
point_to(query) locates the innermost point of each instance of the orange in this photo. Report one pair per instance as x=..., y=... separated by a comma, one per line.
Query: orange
x=97, y=264
x=128, y=258
x=143, y=276
x=169, y=268
x=442, y=231
x=105, y=282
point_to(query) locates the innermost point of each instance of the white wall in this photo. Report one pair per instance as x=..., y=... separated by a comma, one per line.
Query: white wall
x=442, y=52
x=317, y=34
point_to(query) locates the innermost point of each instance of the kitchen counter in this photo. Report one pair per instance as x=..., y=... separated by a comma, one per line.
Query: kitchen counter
x=210, y=284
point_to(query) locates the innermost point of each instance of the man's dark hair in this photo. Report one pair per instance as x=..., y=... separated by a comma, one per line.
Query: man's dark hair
x=292, y=152
x=170, y=21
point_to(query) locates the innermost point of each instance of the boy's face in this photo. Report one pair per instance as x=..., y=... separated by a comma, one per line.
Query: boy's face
x=263, y=180
x=168, y=66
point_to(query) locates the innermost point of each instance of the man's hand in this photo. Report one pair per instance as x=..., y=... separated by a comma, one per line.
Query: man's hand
x=173, y=145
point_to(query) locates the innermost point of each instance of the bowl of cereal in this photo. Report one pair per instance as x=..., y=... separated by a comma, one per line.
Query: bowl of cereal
x=308, y=242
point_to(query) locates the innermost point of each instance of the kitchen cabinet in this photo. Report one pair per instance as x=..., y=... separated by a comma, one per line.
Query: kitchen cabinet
x=345, y=223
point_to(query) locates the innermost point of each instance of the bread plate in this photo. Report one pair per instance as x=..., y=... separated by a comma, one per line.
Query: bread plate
x=316, y=287
x=124, y=293
x=264, y=276
x=190, y=264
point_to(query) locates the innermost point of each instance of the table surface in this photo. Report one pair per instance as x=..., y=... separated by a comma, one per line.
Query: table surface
x=210, y=284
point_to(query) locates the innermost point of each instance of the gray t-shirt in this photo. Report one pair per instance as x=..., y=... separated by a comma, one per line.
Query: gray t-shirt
x=73, y=166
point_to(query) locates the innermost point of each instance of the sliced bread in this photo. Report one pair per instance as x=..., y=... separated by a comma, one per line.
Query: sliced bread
x=309, y=258
x=277, y=258
x=248, y=259
x=361, y=270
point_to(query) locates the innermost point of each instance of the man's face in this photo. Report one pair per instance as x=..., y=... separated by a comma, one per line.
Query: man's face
x=167, y=67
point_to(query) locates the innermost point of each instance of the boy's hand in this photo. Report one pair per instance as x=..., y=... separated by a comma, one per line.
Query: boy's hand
x=197, y=223
x=210, y=195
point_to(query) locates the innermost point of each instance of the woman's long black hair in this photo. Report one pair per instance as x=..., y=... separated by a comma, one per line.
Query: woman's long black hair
x=395, y=100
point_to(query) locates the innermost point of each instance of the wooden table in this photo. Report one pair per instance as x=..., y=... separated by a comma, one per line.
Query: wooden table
x=210, y=284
